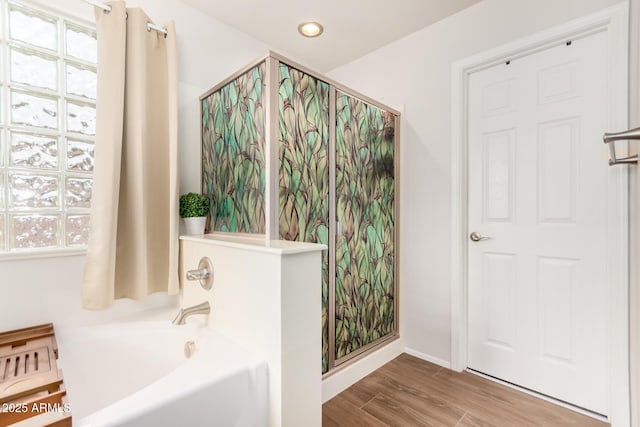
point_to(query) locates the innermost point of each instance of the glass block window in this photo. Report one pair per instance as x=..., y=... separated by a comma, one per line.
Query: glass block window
x=47, y=128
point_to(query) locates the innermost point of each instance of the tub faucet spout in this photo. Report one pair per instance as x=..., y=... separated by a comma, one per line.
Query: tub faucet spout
x=203, y=308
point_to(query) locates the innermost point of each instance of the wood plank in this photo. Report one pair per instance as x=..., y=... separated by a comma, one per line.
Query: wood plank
x=49, y=399
x=358, y=394
x=410, y=391
x=46, y=419
x=460, y=394
x=340, y=412
x=516, y=401
x=470, y=420
x=3, y=368
x=21, y=336
x=436, y=409
x=51, y=385
x=393, y=413
x=406, y=364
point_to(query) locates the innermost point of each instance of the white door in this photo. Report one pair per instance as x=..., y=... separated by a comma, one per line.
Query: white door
x=538, y=299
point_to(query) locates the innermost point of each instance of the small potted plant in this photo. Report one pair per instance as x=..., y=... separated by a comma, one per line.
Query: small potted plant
x=194, y=209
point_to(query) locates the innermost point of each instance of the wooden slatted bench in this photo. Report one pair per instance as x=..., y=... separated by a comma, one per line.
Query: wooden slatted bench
x=32, y=391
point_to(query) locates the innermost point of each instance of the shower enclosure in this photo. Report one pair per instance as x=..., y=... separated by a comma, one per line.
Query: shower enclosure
x=290, y=154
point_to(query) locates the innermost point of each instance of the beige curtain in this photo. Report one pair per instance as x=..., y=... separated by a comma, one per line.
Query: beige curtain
x=133, y=240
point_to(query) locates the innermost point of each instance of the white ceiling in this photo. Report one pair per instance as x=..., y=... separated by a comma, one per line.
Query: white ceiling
x=352, y=28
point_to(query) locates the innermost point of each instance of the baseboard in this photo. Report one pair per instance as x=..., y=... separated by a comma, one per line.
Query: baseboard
x=428, y=358
x=353, y=373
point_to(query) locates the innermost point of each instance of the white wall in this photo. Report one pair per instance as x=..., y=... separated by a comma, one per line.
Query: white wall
x=48, y=290
x=416, y=72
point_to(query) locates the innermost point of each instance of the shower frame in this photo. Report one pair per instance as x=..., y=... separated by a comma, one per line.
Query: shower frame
x=270, y=84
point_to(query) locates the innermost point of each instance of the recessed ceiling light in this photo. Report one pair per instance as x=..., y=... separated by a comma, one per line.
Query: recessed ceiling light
x=310, y=29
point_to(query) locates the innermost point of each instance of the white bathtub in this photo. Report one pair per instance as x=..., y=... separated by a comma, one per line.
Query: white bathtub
x=137, y=374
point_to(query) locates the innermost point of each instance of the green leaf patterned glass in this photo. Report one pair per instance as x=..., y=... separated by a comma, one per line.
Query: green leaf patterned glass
x=303, y=105
x=233, y=154
x=365, y=207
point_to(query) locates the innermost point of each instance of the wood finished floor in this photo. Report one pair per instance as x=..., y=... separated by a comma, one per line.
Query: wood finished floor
x=411, y=392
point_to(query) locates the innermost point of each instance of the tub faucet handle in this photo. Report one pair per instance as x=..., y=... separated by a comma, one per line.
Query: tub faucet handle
x=198, y=274
x=204, y=273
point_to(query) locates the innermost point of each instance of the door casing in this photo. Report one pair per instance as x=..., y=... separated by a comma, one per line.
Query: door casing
x=614, y=21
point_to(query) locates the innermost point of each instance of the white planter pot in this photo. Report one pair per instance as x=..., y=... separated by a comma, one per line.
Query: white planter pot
x=195, y=225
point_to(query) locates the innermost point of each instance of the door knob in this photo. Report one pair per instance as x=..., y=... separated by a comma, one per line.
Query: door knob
x=476, y=237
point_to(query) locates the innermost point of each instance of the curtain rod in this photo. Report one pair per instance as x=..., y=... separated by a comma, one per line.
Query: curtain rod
x=107, y=9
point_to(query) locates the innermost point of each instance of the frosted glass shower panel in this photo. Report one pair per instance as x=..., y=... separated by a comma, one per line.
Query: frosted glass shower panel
x=303, y=105
x=365, y=206
x=233, y=153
